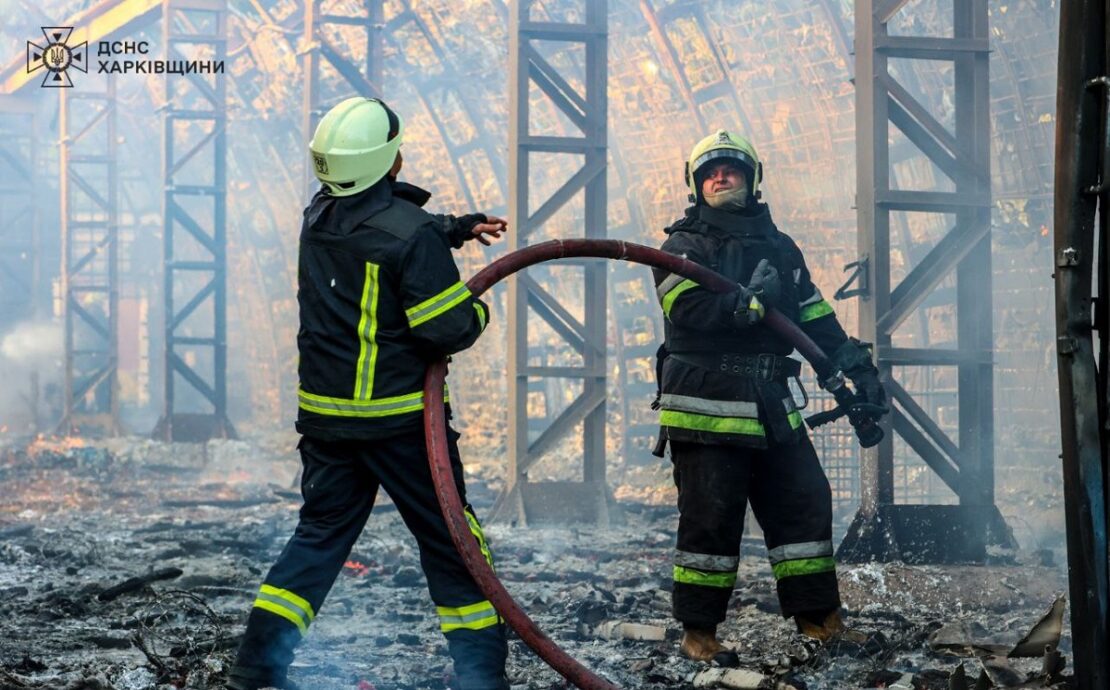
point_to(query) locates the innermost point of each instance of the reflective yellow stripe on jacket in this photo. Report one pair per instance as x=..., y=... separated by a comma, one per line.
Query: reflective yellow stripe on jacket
x=367, y=330
x=718, y=416
x=362, y=403
x=437, y=304
x=350, y=407
x=669, y=290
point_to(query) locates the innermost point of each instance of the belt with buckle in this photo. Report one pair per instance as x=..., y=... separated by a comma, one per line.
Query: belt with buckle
x=766, y=367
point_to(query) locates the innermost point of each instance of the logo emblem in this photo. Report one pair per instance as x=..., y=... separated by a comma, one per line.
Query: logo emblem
x=321, y=163
x=723, y=138
x=57, y=57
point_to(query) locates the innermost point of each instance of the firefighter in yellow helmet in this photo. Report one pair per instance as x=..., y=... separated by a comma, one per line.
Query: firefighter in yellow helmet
x=380, y=297
x=736, y=436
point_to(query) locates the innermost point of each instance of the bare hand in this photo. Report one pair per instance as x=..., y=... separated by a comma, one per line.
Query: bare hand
x=493, y=226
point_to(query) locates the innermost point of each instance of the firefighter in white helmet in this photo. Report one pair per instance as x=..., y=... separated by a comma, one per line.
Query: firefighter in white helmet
x=380, y=298
x=725, y=408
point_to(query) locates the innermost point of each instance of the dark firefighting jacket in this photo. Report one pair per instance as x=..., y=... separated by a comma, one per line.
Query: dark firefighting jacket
x=745, y=407
x=380, y=298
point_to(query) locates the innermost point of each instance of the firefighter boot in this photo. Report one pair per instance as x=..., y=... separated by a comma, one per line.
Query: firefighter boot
x=829, y=629
x=819, y=625
x=700, y=644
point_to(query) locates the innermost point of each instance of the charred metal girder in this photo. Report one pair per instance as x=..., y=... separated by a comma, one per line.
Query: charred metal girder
x=194, y=236
x=1082, y=190
x=528, y=299
x=90, y=244
x=963, y=155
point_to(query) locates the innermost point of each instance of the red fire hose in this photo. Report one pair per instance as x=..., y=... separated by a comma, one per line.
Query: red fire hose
x=435, y=425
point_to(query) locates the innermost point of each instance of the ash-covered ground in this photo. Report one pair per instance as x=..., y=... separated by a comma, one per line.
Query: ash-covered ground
x=132, y=565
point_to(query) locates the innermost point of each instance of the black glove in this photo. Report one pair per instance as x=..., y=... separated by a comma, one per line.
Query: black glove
x=854, y=359
x=463, y=228
x=765, y=283
x=763, y=290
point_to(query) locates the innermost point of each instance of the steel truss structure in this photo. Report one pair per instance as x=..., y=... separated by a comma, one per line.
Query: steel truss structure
x=195, y=232
x=881, y=529
x=90, y=271
x=523, y=500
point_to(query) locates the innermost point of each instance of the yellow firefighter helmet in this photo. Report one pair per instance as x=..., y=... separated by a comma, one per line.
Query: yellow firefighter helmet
x=724, y=144
x=355, y=145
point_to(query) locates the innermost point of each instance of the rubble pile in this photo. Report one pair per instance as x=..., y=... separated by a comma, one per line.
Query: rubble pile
x=133, y=565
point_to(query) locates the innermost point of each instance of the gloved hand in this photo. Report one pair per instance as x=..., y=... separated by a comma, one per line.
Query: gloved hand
x=765, y=283
x=763, y=290
x=854, y=359
x=466, y=224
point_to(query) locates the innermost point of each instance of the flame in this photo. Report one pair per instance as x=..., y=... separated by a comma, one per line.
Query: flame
x=355, y=568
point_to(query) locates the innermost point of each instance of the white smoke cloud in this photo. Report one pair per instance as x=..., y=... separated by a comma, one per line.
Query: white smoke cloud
x=32, y=344
x=32, y=347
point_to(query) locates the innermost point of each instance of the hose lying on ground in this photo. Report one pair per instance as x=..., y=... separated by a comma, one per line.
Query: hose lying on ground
x=435, y=424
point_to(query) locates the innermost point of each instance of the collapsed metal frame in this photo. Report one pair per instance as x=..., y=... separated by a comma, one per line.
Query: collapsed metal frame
x=447, y=82
x=882, y=530
x=700, y=99
x=317, y=49
x=524, y=500
x=195, y=25
x=1082, y=181
x=20, y=220
x=90, y=273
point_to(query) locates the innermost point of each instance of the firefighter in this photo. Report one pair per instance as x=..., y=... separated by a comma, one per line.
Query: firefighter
x=380, y=297
x=736, y=435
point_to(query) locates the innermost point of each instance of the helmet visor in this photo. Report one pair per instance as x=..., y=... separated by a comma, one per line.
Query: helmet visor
x=717, y=154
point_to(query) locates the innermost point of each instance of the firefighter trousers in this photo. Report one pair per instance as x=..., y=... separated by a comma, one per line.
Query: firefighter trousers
x=790, y=498
x=339, y=483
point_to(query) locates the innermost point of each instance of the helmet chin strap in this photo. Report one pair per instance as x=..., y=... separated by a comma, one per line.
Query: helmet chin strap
x=729, y=200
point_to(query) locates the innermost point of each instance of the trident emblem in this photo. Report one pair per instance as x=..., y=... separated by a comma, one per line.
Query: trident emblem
x=57, y=57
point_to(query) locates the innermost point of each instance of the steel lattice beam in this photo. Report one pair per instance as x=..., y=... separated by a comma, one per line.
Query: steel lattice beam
x=967, y=466
x=90, y=242
x=524, y=500
x=195, y=230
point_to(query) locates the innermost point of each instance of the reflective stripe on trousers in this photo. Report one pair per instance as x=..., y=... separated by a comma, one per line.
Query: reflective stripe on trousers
x=286, y=604
x=471, y=617
x=805, y=558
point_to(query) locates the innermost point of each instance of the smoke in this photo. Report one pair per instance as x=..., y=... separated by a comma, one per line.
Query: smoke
x=33, y=344
x=31, y=348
